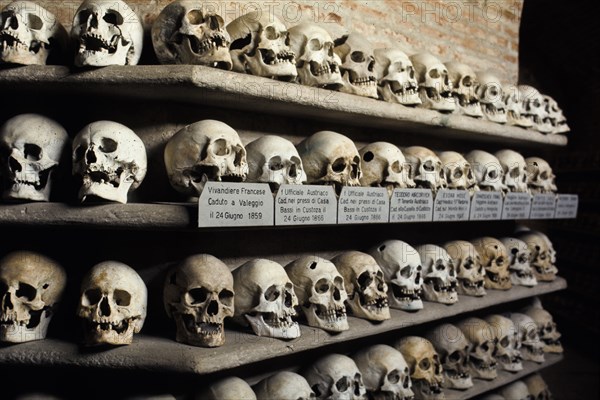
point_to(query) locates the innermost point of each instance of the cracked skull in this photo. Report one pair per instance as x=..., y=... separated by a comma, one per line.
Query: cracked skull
x=384, y=165
x=425, y=367
x=481, y=357
x=453, y=348
x=458, y=173
x=465, y=85
x=506, y=336
x=491, y=97
x=395, y=73
x=284, y=385
x=425, y=168
x=519, y=256
x=470, y=273
x=487, y=169
x=494, y=258
x=514, y=168
x=540, y=178
x=528, y=341
x=439, y=276
x=544, y=269
x=547, y=330
x=358, y=65
x=435, y=87
x=335, y=376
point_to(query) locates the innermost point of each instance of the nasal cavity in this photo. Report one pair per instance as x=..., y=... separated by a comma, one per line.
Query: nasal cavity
x=213, y=308
x=14, y=165
x=104, y=307
x=90, y=157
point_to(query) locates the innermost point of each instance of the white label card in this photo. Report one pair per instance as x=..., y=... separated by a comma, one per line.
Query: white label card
x=452, y=205
x=305, y=205
x=235, y=204
x=362, y=205
x=566, y=206
x=516, y=206
x=411, y=205
x=543, y=206
x=486, y=206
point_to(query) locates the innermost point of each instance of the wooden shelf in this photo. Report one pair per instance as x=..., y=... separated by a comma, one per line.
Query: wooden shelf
x=214, y=87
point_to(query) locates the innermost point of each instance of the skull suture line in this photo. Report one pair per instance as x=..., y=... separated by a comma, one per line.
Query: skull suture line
x=487, y=169
x=435, y=87
x=425, y=168
x=481, y=360
x=439, y=276
x=453, y=348
x=384, y=165
x=506, y=335
x=458, y=173
x=514, y=167
x=491, y=96
x=283, y=385
x=519, y=256
x=470, y=273
x=358, y=65
x=425, y=367
x=494, y=258
x=335, y=377
x=464, y=89
x=397, y=82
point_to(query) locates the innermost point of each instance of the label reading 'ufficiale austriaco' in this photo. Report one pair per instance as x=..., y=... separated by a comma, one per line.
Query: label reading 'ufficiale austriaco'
x=360, y=205
x=411, y=205
x=543, y=206
x=451, y=205
x=486, y=206
x=305, y=205
x=566, y=206
x=516, y=206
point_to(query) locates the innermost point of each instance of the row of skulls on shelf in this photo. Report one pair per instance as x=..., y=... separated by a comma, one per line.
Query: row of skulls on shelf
x=185, y=32
x=109, y=160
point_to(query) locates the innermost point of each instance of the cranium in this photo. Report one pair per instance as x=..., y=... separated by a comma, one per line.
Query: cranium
x=470, y=273
x=232, y=388
x=186, y=32
x=321, y=293
x=435, y=87
x=31, y=286
x=555, y=116
x=541, y=256
x=425, y=168
x=551, y=251
x=274, y=160
x=335, y=377
x=261, y=46
x=537, y=387
x=439, y=276
x=494, y=258
x=465, y=85
x=110, y=159
x=283, y=385
x=458, y=173
x=30, y=35
x=401, y=266
x=204, y=151
x=514, y=168
x=529, y=342
x=532, y=107
x=32, y=147
x=515, y=114
x=396, y=77
x=425, y=367
x=453, y=348
x=506, y=336
x=519, y=256
x=516, y=390
x=265, y=298
x=384, y=165
x=540, y=178
x=546, y=329
x=112, y=305
x=487, y=169
x=108, y=32
x=481, y=335
x=491, y=97
x=358, y=65
x=385, y=373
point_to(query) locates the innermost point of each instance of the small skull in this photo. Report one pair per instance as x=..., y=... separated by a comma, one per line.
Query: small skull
x=435, y=87
x=515, y=114
x=31, y=286
x=537, y=387
x=204, y=151
x=529, y=342
x=506, y=336
x=112, y=305
x=365, y=285
x=110, y=159
x=261, y=46
x=458, y=173
x=396, y=77
x=519, y=256
x=185, y=32
x=541, y=256
x=232, y=388
x=491, y=96
x=439, y=276
x=494, y=258
x=283, y=385
x=487, y=169
x=384, y=165
x=108, y=32
x=425, y=168
x=481, y=358
x=321, y=293
x=453, y=348
x=470, y=273
x=401, y=266
x=514, y=168
x=540, y=178
x=358, y=65
x=465, y=85
x=265, y=299
x=31, y=147
x=555, y=116
x=516, y=391
x=532, y=108
x=547, y=330
x=426, y=370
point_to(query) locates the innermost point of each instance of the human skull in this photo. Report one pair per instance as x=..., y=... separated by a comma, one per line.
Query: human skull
x=481, y=357
x=487, y=169
x=401, y=266
x=439, y=276
x=465, y=85
x=283, y=385
x=206, y=150
x=108, y=32
x=31, y=148
x=358, y=65
x=185, y=32
x=470, y=273
x=335, y=376
x=425, y=367
x=540, y=178
x=31, y=286
x=547, y=330
x=519, y=256
x=435, y=87
x=555, y=116
x=110, y=159
x=396, y=77
x=537, y=387
x=112, y=305
x=274, y=160
x=551, y=251
x=232, y=388
x=30, y=35
x=514, y=168
x=453, y=348
x=494, y=258
x=385, y=373
x=458, y=173
x=516, y=390
x=529, y=342
x=261, y=46
x=330, y=158
x=384, y=165
x=541, y=257
x=515, y=113
x=506, y=336
x=425, y=168
x=491, y=97
x=321, y=293
x=316, y=62
x=532, y=108
x=265, y=298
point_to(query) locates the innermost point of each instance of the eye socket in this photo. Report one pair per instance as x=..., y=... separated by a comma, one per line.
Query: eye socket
x=26, y=291
x=425, y=364
x=315, y=45
x=434, y=73
x=439, y=265
x=467, y=81
x=485, y=346
x=79, y=153
x=457, y=173
x=492, y=174
x=34, y=22
x=220, y=148
x=365, y=279
x=339, y=165
x=368, y=156
x=195, y=17
x=358, y=57
x=428, y=166
x=342, y=384
x=454, y=356
x=394, y=376
x=91, y=297
x=197, y=295
x=322, y=286
x=122, y=298
x=82, y=17
x=504, y=342
x=272, y=293
x=275, y=164
x=406, y=272
x=113, y=17
x=514, y=173
x=226, y=297
x=271, y=33
x=32, y=152
x=108, y=145
x=396, y=167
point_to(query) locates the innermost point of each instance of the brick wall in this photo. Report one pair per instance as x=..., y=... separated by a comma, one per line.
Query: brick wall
x=481, y=33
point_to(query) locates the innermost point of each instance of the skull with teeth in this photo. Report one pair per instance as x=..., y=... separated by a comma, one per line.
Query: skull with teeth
x=547, y=331
x=551, y=251
x=425, y=168
x=537, y=387
x=515, y=113
x=494, y=258
x=321, y=293
x=112, y=305
x=284, y=385
x=426, y=370
x=541, y=257
x=110, y=159
x=365, y=285
x=465, y=85
x=519, y=256
x=31, y=286
x=335, y=376
x=358, y=65
x=439, y=276
x=108, y=32
x=185, y=32
x=198, y=295
x=384, y=165
x=316, y=62
x=481, y=360
x=554, y=116
x=232, y=388
x=514, y=167
x=435, y=87
x=458, y=173
x=204, y=151
x=261, y=46
x=487, y=169
x=469, y=269
x=396, y=77
x=529, y=342
x=453, y=348
x=265, y=299
x=491, y=97
x=32, y=146
x=540, y=178
x=505, y=334
x=516, y=391
x=532, y=107
x=401, y=266
x=30, y=35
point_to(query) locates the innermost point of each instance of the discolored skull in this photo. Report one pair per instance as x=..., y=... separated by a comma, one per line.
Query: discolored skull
x=547, y=330
x=458, y=173
x=31, y=148
x=384, y=165
x=465, y=85
x=532, y=108
x=110, y=159
x=453, y=348
x=529, y=342
x=540, y=178
x=112, y=305
x=186, y=32
x=481, y=357
x=506, y=336
x=439, y=276
x=435, y=87
x=265, y=299
x=514, y=168
x=365, y=285
x=491, y=97
x=425, y=367
x=425, y=168
x=519, y=256
x=204, y=151
x=358, y=65
x=537, y=387
x=541, y=256
x=516, y=391
x=108, y=32
x=515, y=113
x=396, y=77
x=335, y=377
x=283, y=385
x=470, y=273
x=31, y=286
x=232, y=388
x=321, y=293
x=494, y=258
x=554, y=116
x=487, y=169
x=401, y=266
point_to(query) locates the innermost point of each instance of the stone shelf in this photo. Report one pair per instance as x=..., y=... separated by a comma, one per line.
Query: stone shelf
x=152, y=353
x=209, y=86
